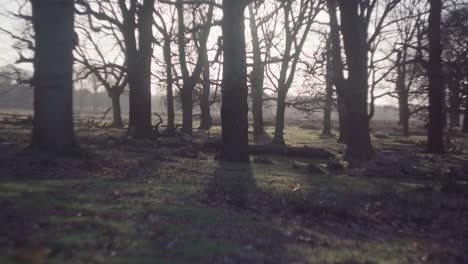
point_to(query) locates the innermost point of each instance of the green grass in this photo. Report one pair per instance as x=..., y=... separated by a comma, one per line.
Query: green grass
x=137, y=208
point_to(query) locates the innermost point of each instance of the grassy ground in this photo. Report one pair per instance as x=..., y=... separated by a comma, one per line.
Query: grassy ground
x=132, y=202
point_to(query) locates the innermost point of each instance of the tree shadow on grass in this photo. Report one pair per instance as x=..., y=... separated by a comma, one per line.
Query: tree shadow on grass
x=232, y=182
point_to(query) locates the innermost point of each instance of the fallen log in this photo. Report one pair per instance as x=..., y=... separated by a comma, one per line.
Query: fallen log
x=276, y=150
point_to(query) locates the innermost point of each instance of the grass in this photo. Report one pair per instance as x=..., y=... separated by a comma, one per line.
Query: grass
x=133, y=204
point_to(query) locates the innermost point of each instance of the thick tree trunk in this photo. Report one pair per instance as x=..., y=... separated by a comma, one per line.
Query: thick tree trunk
x=354, y=30
x=205, y=111
x=53, y=67
x=435, y=141
x=234, y=109
x=280, y=118
x=258, y=76
x=116, y=111
x=186, y=96
x=139, y=69
x=170, y=129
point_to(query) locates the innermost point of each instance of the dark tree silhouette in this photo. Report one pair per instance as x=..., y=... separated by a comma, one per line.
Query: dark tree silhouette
x=234, y=109
x=435, y=139
x=53, y=22
x=354, y=30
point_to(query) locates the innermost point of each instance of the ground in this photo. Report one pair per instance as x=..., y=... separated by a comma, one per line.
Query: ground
x=127, y=201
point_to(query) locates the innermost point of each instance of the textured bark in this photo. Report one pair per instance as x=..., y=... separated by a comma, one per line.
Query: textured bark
x=257, y=78
x=138, y=57
x=234, y=109
x=53, y=66
x=353, y=27
x=435, y=141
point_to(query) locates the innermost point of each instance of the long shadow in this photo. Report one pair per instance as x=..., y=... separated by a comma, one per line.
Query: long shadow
x=232, y=182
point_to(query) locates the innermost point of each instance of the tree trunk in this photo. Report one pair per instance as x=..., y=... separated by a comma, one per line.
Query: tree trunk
x=53, y=69
x=328, y=107
x=258, y=76
x=280, y=118
x=139, y=69
x=186, y=96
x=465, y=118
x=170, y=129
x=454, y=107
x=234, y=109
x=354, y=30
x=116, y=110
x=205, y=111
x=402, y=91
x=338, y=76
x=435, y=141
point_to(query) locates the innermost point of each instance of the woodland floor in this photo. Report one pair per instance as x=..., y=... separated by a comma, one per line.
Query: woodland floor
x=133, y=202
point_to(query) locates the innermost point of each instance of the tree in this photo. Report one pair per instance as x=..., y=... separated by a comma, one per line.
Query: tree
x=435, y=139
x=354, y=30
x=53, y=75
x=234, y=108
x=298, y=19
x=257, y=76
x=190, y=79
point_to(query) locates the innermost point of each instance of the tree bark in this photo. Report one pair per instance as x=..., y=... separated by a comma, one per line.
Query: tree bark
x=139, y=67
x=53, y=22
x=280, y=117
x=116, y=110
x=257, y=79
x=353, y=27
x=435, y=141
x=234, y=109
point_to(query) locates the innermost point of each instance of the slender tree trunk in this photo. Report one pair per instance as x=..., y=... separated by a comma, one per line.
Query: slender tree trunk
x=170, y=130
x=280, y=118
x=454, y=107
x=435, y=141
x=402, y=91
x=53, y=67
x=338, y=76
x=205, y=111
x=258, y=76
x=234, y=109
x=116, y=110
x=359, y=147
x=327, y=110
x=465, y=118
